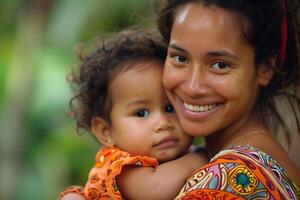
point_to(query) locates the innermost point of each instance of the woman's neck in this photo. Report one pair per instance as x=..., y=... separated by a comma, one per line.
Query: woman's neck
x=235, y=135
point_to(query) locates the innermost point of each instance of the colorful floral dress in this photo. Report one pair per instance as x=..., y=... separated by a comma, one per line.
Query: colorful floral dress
x=242, y=172
x=101, y=183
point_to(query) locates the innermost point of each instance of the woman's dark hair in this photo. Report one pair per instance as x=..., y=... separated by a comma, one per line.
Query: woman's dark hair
x=263, y=33
x=99, y=68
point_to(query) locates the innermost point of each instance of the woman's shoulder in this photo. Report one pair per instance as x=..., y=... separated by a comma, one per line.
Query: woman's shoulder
x=241, y=172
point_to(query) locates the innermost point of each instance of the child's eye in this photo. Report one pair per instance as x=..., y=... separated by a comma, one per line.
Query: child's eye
x=169, y=109
x=220, y=65
x=142, y=113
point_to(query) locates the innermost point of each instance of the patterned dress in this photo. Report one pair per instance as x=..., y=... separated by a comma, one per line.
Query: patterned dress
x=242, y=172
x=101, y=183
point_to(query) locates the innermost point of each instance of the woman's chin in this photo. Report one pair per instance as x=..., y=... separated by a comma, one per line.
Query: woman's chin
x=194, y=128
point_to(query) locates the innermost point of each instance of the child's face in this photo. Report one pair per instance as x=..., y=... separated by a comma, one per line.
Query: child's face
x=142, y=120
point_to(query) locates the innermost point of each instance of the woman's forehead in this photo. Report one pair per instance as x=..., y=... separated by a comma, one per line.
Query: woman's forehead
x=202, y=19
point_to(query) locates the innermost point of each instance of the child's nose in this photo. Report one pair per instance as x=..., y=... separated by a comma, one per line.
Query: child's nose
x=164, y=123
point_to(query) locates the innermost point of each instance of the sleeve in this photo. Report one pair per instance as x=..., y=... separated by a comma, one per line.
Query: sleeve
x=71, y=189
x=101, y=183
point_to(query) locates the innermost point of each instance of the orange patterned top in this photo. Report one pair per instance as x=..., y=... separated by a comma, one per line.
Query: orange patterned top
x=101, y=183
x=240, y=173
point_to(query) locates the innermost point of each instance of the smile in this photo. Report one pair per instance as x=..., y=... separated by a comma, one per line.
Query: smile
x=199, y=108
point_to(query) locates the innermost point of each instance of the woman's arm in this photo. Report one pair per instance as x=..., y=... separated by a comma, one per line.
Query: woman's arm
x=161, y=183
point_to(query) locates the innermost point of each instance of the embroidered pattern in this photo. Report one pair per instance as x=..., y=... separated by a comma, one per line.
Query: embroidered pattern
x=242, y=180
x=244, y=172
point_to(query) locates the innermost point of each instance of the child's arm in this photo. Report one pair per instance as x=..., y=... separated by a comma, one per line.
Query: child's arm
x=72, y=193
x=73, y=196
x=164, y=182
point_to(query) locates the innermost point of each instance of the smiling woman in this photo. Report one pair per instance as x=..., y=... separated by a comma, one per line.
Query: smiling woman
x=226, y=61
x=220, y=67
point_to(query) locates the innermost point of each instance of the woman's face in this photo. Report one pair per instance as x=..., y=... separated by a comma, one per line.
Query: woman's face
x=210, y=75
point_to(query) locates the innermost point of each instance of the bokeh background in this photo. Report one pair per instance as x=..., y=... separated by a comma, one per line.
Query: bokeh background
x=40, y=151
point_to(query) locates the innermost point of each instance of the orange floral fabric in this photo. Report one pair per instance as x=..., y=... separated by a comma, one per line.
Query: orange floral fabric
x=71, y=189
x=101, y=183
x=237, y=173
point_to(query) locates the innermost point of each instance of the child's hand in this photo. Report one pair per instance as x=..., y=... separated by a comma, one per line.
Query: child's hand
x=73, y=196
x=195, y=160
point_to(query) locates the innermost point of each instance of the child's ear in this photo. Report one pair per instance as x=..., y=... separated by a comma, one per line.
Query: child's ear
x=102, y=131
x=265, y=72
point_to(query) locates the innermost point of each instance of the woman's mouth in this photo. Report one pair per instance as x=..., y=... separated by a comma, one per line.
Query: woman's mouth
x=199, y=108
x=198, y=111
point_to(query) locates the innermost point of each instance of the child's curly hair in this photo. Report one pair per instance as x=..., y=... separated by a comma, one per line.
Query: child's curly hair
x=98, y=69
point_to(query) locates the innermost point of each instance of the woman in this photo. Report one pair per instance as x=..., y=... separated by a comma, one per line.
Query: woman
x=225, y=62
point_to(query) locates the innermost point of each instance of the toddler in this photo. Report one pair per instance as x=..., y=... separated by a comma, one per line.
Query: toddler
x=121, y=100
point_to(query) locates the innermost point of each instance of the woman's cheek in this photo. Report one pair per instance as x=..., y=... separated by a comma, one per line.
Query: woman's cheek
x=166, y=79
x=170, y=77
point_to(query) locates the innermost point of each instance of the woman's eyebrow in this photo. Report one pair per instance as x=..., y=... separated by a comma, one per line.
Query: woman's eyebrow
x=174, y=46
x=217, y=53
x=222, y=53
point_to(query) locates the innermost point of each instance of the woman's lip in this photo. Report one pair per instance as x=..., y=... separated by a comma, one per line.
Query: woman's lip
x=199, y=108
x=196, y=115
x=198, y=102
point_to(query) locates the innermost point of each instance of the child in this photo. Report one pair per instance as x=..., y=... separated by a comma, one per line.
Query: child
x=122, y=101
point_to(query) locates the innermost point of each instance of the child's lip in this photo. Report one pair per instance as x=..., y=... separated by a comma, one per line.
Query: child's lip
x=166, y=142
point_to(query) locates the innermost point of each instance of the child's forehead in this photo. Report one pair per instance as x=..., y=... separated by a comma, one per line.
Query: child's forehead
x=141, y=81
x=140, y=68
x=140, y=64
x=136, y=72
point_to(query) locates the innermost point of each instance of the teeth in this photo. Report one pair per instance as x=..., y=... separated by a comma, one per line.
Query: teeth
x=199, y=108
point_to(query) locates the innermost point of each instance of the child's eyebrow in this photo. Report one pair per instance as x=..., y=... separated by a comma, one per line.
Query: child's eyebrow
x=138, y=102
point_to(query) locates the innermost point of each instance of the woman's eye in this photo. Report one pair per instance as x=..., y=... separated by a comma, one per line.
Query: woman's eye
x=169, y=109
x=179, y=58
x=142, y=113
x=220, y=65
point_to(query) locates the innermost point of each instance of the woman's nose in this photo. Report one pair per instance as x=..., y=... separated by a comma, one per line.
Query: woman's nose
x=195, y=83
x=163, y=122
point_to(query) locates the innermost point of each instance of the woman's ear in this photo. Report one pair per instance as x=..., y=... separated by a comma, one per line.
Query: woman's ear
x=265, y=72
x=102, y=131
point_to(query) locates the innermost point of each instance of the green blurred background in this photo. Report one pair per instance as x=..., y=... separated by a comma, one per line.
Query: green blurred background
x=41, y=153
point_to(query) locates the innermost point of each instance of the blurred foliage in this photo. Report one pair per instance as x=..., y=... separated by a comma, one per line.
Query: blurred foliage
x=41, y=153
